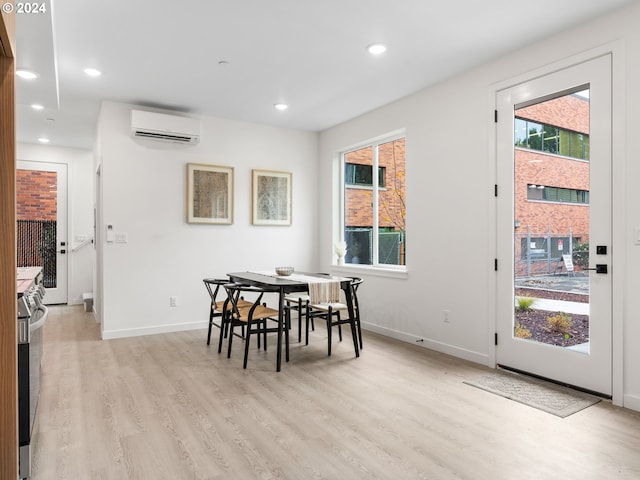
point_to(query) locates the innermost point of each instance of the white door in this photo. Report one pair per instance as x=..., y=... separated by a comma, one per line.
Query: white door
x=554, y=226
x=41, y=204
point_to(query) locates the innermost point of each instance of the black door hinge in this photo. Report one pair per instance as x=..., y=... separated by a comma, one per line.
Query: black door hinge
x=496, y=338
x=495, y=116
x=495, y=190
x=495, y=264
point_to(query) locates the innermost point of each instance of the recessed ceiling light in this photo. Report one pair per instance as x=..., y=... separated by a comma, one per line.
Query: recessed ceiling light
x=281, y=106
x=376, y=48
x=26, y=74
x=92, y=72
x=44, y=140
x=36, y=106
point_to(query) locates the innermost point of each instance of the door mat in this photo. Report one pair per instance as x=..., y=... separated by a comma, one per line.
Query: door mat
x=548, y=397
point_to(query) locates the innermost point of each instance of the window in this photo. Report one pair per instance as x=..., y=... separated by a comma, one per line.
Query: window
x=550, y=139
x=373, y=222
x=555, y=194
x=356, y=174
x=543, y=249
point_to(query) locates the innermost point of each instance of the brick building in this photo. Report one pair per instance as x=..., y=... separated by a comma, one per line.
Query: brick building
x=36, y=215
x=551, y=182
x=36, y=195
x=391, y=200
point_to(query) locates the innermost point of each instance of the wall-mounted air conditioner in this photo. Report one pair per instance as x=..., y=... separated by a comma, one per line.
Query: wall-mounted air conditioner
x=165, y=128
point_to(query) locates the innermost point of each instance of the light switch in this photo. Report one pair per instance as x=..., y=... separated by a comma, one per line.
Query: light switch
x=121, y=238
x=110, y=233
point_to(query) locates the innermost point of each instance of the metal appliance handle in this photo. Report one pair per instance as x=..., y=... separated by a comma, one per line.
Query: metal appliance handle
x=41, y=321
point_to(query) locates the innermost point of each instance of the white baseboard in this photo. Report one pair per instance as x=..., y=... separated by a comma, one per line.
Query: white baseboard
x=632, y=402
x=452, y=350
x=138, y=332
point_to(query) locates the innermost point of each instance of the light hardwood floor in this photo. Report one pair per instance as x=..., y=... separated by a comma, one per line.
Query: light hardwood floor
x=169, y=407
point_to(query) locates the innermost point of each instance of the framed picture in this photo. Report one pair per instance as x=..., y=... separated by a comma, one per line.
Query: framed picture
x=209, y=194
x=271, y=198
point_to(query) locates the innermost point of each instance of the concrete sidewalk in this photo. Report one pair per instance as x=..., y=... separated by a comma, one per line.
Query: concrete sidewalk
x=559, y=306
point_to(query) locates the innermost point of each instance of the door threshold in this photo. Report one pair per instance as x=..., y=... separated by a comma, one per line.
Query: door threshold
x=563, y=384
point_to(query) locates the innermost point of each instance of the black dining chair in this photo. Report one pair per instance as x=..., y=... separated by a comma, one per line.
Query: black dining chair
x=217, y=308
x=330, y=313
x=300, y=303
x=254, y=317
x=355, y=284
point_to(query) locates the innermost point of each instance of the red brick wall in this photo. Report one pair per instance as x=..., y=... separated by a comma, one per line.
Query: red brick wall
x=548, y=170
x=534, y=167
x=391, y=199
x=570, y=112
x=36, y=195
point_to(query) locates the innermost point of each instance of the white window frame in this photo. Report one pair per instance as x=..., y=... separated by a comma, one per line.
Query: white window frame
x=375, y=268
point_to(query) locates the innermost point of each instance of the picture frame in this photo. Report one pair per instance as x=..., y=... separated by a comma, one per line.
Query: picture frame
x=209, y=194
x=271, y=197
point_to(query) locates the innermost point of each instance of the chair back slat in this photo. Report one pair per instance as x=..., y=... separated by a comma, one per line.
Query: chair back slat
x=213, y=286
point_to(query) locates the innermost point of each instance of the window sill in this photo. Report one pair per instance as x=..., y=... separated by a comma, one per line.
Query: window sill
x=376, y=271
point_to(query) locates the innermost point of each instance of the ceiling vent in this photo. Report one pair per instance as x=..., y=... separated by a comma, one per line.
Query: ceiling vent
x=165, y=128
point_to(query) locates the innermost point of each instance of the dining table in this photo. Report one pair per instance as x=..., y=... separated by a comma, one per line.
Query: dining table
x=287, y=284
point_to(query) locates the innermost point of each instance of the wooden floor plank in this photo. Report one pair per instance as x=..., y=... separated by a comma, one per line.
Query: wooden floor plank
x=168, y=406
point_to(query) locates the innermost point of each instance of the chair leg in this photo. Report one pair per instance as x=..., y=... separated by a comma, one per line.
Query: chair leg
x=230, y=339
x=286, y=343
x=359, y=329
x=258, y=330
x=299, y=320
x=223, y=327
x=246, y=344
x=329, y=328
x=339, y=325
x=210, y=327
x=264, y=333
x=352, y=322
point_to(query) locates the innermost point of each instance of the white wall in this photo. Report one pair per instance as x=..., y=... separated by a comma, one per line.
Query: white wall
x=144, y=195
x=450, y=204
x=80, y=193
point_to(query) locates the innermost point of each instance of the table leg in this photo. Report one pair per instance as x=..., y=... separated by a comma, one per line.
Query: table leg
x=280, y=326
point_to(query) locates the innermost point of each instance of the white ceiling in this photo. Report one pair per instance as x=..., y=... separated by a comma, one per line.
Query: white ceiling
x=310, y=54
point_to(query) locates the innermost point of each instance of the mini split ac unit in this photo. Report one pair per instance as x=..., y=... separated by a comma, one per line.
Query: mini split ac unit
x=165, y=128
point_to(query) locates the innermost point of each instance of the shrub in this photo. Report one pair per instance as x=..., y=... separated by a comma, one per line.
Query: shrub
x=522, y=332
x=560, y=322
x=525, y=303
x=581, y=255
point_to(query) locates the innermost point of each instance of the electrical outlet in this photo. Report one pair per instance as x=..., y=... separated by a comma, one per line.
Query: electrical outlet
x=445, y=316
x=173, y=301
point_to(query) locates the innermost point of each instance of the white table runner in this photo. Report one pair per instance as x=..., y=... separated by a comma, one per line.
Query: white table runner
x=321, y=290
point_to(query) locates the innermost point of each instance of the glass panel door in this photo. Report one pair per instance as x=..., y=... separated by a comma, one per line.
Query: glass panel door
x=41, y=207
x=554, y=226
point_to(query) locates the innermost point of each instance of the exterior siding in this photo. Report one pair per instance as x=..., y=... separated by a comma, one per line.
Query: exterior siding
x=36, y=195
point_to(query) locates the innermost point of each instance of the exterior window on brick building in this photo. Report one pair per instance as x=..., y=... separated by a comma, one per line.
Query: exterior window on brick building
x=374, y=205
x=355, y=174
x=550, y=139
x=556, y=194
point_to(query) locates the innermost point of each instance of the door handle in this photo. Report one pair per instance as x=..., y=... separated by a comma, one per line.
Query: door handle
x=600, y=268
